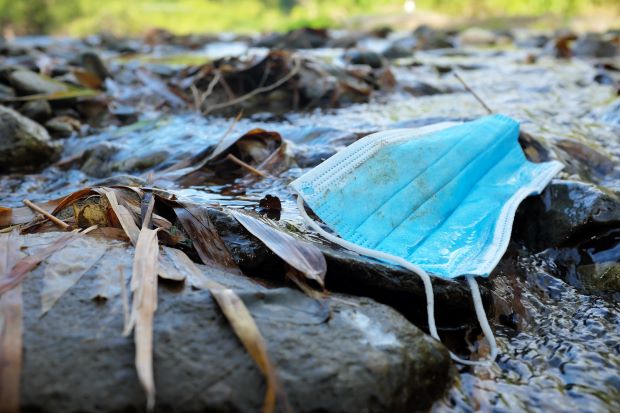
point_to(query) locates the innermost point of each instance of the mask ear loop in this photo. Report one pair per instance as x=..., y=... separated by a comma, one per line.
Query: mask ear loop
x=426, y=280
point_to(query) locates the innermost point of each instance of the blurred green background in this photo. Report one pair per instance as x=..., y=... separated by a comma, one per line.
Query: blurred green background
x=130, y=17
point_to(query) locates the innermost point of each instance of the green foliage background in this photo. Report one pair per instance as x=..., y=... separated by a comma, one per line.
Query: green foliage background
x=80, y=17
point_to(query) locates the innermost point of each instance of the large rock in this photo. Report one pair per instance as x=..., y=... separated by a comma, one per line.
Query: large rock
x=565, y=210
x=344, y=355
x=24, y=145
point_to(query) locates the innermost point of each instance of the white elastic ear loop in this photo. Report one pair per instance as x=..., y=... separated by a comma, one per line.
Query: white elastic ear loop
x=426, y=279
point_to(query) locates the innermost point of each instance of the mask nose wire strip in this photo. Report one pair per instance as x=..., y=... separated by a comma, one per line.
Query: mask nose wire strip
x=426, y=279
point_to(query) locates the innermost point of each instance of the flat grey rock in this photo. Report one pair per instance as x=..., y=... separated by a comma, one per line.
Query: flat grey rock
x=344, y=355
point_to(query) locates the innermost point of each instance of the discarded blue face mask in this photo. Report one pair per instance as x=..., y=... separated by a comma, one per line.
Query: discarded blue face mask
x=439, y=199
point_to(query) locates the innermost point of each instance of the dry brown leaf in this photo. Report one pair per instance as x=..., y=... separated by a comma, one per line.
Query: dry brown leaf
x=91, y=211
x=110, y=233
x=167, y=265
x=6, y=216
x=243, y=325
x=125, y=217
x=10, y=328
x=207, y=242
x=58, y=205
x=144, y=303
x=87, y=79
x=64, y=270
x=303, y=256
x=158, y=221
x=25, y=265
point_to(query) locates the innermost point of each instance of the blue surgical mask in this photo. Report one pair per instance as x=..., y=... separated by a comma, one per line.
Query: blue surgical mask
x=438, y=200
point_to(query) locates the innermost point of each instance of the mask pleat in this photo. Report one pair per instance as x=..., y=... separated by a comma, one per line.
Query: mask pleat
x=465, y=154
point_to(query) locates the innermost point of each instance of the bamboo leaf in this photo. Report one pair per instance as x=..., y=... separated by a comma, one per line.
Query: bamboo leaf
x=124, y=216
x=144, y=303
x=21, y=269
x=65, y=270
x=167, y=265
x=10, y=328
x=207, y=242
x=303, y=256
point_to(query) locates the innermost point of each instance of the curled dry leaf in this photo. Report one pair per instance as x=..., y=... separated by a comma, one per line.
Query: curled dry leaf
x=300, y=255
x=10, y=328
x=54, y=207
x=242, y=324
x=207, y=242
x=87, y=79
x=91, y=211
x=257, y=151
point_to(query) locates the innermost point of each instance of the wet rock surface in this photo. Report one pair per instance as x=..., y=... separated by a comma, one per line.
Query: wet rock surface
x=24, y=144
x=31, y=83
x=566, y=211
x=359, y=356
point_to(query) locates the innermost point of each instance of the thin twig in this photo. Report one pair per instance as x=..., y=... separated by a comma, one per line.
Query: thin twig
x=210, y=88
x=249, y=167
x=219, y=148
x=47, y=215
x=195, y=96
x=188, y=163
x=258, y=90
x=474, y=94
x=8, y=229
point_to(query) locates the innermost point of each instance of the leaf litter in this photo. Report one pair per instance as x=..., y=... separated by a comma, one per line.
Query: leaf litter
x=181, y=226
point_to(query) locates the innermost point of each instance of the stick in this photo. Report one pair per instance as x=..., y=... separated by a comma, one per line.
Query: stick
x=250, y=168
x=474, y=94
x=47, y=215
